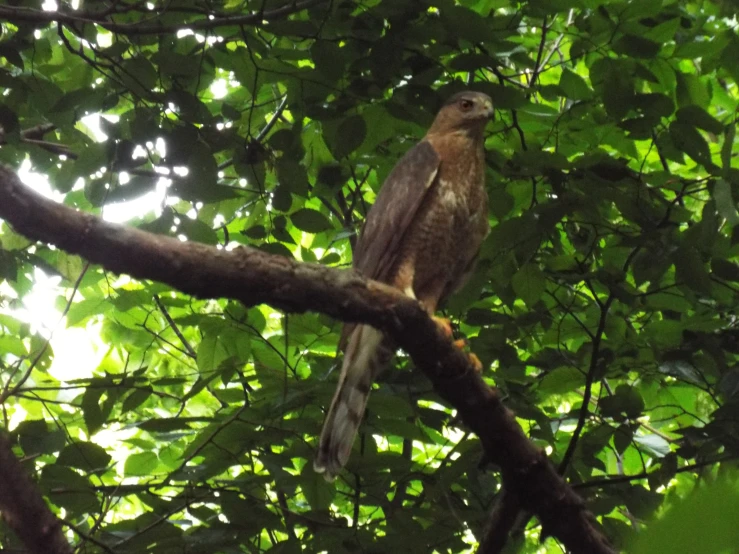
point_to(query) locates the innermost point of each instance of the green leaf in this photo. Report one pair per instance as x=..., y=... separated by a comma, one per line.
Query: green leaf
x=636, y=46
x=689, y=140
x=691, y=91
x=91, y=411
x=35, y=437
x=622, y=438
x=86, y=456
x=11, y=54
x=727, y=148
x=529, y=283
x=136, y=398
x=658, y=446
x=654, y=105
x=664, y=31
x=197, y=231
x=310, y=221
x=292, y=177
x=690, y=268
x=9, y=122
x=728, y=58
x=141, y=463
x=13, y=345
x=316, y=490
x=328, y=58
x=618, y=93
x=725, y=203
x=136, y=187
x=165, y=425
x=724, y=269
x=139, y=75
x=506, y=97
x=698, y=117
x=211, y=352
x=472, y=61
x=696, y=523
x=625, y=402
x=465, y=23
x=561, y=380
x=349, y=136
x=574, y=86
x=68, y=489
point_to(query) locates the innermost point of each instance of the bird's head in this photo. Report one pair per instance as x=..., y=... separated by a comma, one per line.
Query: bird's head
x=466, y=112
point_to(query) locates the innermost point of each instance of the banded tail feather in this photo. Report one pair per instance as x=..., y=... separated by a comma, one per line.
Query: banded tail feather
x=365, y=357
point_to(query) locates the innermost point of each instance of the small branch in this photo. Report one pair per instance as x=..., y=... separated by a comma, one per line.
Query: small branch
x=262, y=134
x=271, y=123
x=33, y=135
x=162, y=308
x=539, y=54
x=589, y=380
x=37, y=132
x=619, y=479
x=286, y=514
x=87, y=537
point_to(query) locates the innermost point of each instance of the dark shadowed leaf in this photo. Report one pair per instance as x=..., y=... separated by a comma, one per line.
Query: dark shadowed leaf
x=349, y=136
x=698, y=117
x=637, y=46
x=86, y=456
x=310, y=221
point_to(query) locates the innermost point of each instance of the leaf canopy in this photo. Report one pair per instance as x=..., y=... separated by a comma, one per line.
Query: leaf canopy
x=604, y=304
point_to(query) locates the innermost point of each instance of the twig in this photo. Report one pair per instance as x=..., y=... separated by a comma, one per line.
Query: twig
x=190, y=351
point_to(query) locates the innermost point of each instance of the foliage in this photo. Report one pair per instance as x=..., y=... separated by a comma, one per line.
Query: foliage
x=604, y=303
x=680, y=530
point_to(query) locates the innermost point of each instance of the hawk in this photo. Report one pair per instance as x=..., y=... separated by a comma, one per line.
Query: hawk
x=422, y=236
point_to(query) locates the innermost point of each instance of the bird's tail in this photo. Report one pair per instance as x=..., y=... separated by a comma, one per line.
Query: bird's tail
x=364, y=359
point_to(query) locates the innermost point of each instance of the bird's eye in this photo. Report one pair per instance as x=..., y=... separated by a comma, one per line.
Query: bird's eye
x=466, y=105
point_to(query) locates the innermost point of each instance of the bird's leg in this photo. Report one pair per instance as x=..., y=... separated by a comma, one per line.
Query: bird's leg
x=446, y=328
x=473, y=359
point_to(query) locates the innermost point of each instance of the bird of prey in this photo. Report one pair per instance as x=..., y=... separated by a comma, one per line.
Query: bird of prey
x=422, y=236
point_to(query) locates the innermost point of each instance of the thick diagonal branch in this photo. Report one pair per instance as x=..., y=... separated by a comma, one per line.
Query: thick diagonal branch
x=255, y=277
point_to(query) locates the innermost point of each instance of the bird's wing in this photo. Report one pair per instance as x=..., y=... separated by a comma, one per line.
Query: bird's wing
x=394, y=210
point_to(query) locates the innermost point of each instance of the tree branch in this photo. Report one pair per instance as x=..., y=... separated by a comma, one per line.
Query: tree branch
x=255, y=277
x=502, y=518
x=24, y=510
x=29, y=15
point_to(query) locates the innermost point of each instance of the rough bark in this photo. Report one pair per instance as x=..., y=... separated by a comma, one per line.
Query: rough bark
x=254, y=277
x=502, y=518
x=24, y=510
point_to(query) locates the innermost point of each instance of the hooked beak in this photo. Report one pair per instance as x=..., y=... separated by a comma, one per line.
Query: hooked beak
x=488, y=106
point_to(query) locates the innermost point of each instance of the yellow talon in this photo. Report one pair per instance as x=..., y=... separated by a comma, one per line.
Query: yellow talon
x=475, y=362
x=444, y=325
